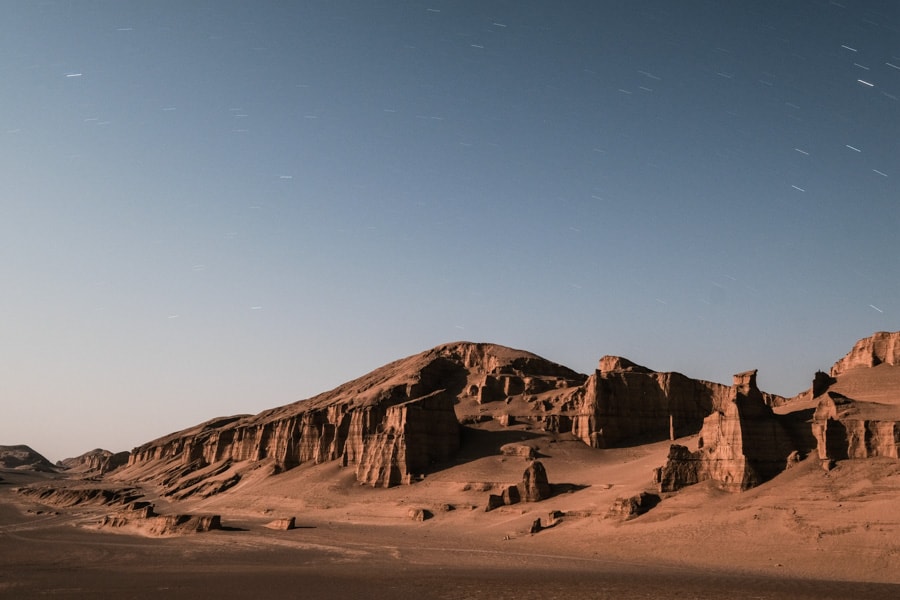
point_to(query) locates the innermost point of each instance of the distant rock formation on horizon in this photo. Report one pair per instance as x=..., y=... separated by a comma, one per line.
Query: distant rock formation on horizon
x=24, y=457
x=97, y=461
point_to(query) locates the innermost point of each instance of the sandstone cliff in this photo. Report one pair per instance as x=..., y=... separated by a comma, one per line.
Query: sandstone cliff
x=857, y=411
x=879, y=348
x=97, y=461
x=742, y=444
x=624, y=401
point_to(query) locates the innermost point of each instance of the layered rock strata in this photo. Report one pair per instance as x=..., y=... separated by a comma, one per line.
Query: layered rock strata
x=623, y=401
x=741, y=444
x=857, y=411
x=391, y=424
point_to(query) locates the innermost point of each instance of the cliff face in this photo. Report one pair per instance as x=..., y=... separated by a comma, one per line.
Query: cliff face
x=391, y=424
x=96, y=461
x=857, y=413
x=742, y=444
x=624, y=401
x=879, y=348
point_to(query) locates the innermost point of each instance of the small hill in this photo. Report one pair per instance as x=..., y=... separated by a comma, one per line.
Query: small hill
x=25, y=458
x=97, y=461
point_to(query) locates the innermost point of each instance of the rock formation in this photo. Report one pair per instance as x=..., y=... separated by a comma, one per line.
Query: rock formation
x=392, y=425
x=633, y=506
x=535, y=485
x=96, y=461
x=624, y=401
x=742, y=444
x=879, y=348
x=285, y=524
x=23, y=457
x=857, y=412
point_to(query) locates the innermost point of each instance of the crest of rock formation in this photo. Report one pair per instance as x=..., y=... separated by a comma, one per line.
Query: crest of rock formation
x=742, y=444
x=879, y=348
x=858, y=407
x=23, y=457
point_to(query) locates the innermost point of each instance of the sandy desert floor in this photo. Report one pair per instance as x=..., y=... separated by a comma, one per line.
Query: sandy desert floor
x=807, y=534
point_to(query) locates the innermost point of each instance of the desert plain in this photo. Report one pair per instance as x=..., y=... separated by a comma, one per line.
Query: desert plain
x=806, y=532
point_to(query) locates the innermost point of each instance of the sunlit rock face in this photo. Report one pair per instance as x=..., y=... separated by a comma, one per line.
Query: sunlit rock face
x=858, y=410
x=624, y=401
x=879, y=348
x=742, y=444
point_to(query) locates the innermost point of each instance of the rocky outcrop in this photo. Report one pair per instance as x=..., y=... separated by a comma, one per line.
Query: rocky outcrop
x=391, y=425
x=64, y=496
x=535, y=485
x=413, y=436
x=845, y=428
x=857, y=411
x=23, y=457
x=741, y=445
x=96, y=461
x=285, y=524
x=624, y=401
x=633, y=506
x=879, y=348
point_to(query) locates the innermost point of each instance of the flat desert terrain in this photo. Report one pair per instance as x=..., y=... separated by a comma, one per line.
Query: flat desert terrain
x=806, y=534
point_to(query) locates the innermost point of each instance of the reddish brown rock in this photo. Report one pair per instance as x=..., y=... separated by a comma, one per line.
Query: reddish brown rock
x=879, y=348
x=741, y=445
x=535, y=485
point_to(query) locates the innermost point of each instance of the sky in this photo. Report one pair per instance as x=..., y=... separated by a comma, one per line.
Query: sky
x=217, y=207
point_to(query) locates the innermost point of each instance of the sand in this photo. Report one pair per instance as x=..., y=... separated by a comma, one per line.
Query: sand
x=805, y=534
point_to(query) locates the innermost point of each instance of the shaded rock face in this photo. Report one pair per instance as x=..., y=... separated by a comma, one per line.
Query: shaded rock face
x=633, y=506
x=96, y=461
x=741, y=445
x=413, y=436
x=879, y=348
x=535, y=485
x=623, y=401
x=23, y=457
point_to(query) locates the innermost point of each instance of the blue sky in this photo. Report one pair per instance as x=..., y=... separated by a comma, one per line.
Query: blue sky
x=219, y=207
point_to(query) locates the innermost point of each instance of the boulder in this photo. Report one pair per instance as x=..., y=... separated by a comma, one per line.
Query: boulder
x=285, y=524
x=536, y=526
x=535, y=485
x=513, y=449
x=511, y=495
x=633, y=506
x=419, y=514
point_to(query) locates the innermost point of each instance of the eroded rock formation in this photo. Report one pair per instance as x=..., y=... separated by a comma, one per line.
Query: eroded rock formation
x=742, y=444
x=624, y=401
x=97, y=461
x=857, y=412
x=392, y=425
x=24, y=457
x=535, y=485
x=879, y=348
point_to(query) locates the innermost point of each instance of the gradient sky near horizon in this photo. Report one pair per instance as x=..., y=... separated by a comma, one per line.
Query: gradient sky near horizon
x=219, y=207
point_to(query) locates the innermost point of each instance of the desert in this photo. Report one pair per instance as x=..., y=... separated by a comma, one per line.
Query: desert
x=476, y=470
